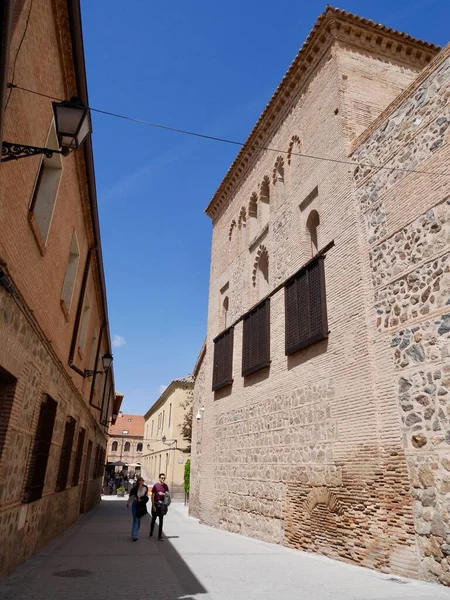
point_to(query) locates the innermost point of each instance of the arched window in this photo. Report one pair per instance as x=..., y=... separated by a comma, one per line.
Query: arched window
x=253, y=215
x=114, y=447
x=293, y=151
x=264, y=202
x=139, y=447
x=261, y=272
x=278, y=179
x=225, y=308
x=242, y=226
x=127, y=447
x=312, y=224
x=232, y=236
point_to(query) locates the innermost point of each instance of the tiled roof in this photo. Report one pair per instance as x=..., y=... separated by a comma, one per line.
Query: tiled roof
x=134, y=424
x=188, y=379
x=254, y=138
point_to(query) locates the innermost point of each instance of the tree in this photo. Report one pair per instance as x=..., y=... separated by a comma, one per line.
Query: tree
x=186, y=424
x=187, y=476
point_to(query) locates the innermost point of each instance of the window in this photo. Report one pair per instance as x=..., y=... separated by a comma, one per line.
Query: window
x=71, y=273
x=162, y=419
x=79, y=456
x=242, y=226
x=127, y=447
x=312, y=223
x=99, y=463
x=125, y=431
x=114, y=447
x=170, y=413
x=40, y=452
x=278, y=179
x=253, y=215
x=305, y=307
x=7, y=390
x=223, y=360
x=260, y=275
x=256, y=339
x=46, y=190
x=66, y=454
x=84, y=323
x=264, y=202
x=139, y=447
x=153, y=422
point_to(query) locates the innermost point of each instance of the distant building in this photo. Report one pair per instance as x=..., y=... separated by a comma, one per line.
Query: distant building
x=126, y=440
x=56, y=401
x=325, y=381
x=165, y=449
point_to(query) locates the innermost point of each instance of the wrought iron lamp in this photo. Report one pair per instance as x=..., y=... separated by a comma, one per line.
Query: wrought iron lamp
x=107, y=362
x=73, y=125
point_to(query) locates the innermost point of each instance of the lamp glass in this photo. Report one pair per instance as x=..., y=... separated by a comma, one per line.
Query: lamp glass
x=73, y=123
x=107, y=361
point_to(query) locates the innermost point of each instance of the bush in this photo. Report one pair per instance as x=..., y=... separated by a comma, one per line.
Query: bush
x=187, y=476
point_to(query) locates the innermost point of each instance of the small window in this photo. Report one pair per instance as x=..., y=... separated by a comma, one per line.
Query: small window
x=305, y=307
x=253, y=215
x=71, y=273
x=264, y=202
x=127, y=447
x=223, y=360
x=139, y=447
x=125, y=431
x=79, y=456
x=114, y=447
x=256, y=339
x=170, y=414
x=153, y=422
x=7, y=390
x=312, y=224
x=46, y=189
x=129, y=420
x=40, y=452
x=84, y=323
x=66, y=454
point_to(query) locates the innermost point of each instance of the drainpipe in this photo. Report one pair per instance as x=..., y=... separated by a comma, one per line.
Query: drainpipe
x=6, y=12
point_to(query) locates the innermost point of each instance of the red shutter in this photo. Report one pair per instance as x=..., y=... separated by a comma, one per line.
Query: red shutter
x=41, y=450
x=66, y=454
x=223, y=360
x=305, y=307
x=256, y=339
x=78, y=457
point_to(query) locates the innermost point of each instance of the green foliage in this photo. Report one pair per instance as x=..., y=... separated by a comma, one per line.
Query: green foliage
x=187, y=476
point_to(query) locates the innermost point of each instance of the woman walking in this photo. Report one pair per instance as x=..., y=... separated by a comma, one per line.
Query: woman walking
x=138, y=497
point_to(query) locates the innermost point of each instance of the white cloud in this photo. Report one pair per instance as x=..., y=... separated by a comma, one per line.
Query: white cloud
x=162, y=388
x=118, y=341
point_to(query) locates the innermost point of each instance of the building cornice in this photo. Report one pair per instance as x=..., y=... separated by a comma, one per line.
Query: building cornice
x=175, y=384
x=331, y=26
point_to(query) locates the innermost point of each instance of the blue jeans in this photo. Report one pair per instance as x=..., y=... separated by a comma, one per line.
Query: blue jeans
x=136, y=521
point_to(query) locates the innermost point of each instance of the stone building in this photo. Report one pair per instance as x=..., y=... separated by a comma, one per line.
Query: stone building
x=165, y=449
x=56, y=399
x=325, y=377
x=126, y=440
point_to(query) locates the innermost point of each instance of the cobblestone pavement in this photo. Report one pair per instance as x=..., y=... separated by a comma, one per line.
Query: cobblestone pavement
x=194, y=563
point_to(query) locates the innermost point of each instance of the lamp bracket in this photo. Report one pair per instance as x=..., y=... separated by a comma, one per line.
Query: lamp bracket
x=12, y=151
x=91, y=372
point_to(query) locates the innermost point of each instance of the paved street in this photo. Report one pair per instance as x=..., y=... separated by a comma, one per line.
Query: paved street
x=195, y=563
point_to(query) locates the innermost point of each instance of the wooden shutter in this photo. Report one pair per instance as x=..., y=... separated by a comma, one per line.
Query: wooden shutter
x=223, y=359
x=256, y=339
x=305, y=307
x=78, y=456
x=41, y=450
x=66, y=454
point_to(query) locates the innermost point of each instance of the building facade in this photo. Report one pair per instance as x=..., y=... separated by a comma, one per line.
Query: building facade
x=126, y=441
x=165, y=449
x=324, y=381
x=56, y=398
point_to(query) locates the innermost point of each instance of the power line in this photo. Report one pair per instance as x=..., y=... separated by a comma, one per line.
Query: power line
x=235, y=142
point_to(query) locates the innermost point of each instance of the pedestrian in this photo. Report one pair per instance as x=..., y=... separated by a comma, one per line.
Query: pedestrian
x=138, y=497
x=111, y=485
x=160, y=503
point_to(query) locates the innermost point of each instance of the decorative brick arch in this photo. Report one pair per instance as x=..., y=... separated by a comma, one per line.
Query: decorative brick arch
x=322, y=495
x=262, y=251
x=242, y=222
x=232, y=227
x=253, y=206
x=295, y=141
x=278, y=170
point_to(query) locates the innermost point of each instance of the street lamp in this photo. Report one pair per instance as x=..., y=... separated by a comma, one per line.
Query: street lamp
x=73, y=125
x=107, y=362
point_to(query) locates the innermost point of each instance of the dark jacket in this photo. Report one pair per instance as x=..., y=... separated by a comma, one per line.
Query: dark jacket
x=141, y=510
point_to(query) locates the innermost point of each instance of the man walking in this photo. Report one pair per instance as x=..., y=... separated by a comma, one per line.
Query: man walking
x=160, y=495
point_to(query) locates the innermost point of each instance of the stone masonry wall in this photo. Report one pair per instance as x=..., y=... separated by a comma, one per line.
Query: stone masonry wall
x=407, y=220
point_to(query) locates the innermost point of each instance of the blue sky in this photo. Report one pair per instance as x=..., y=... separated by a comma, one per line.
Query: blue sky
x=204, y=66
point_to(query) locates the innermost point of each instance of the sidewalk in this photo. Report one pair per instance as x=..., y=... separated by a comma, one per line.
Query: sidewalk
x=96, y=560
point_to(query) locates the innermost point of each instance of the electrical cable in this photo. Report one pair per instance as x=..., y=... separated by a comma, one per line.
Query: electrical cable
x=18, y=51
x=235, y=142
